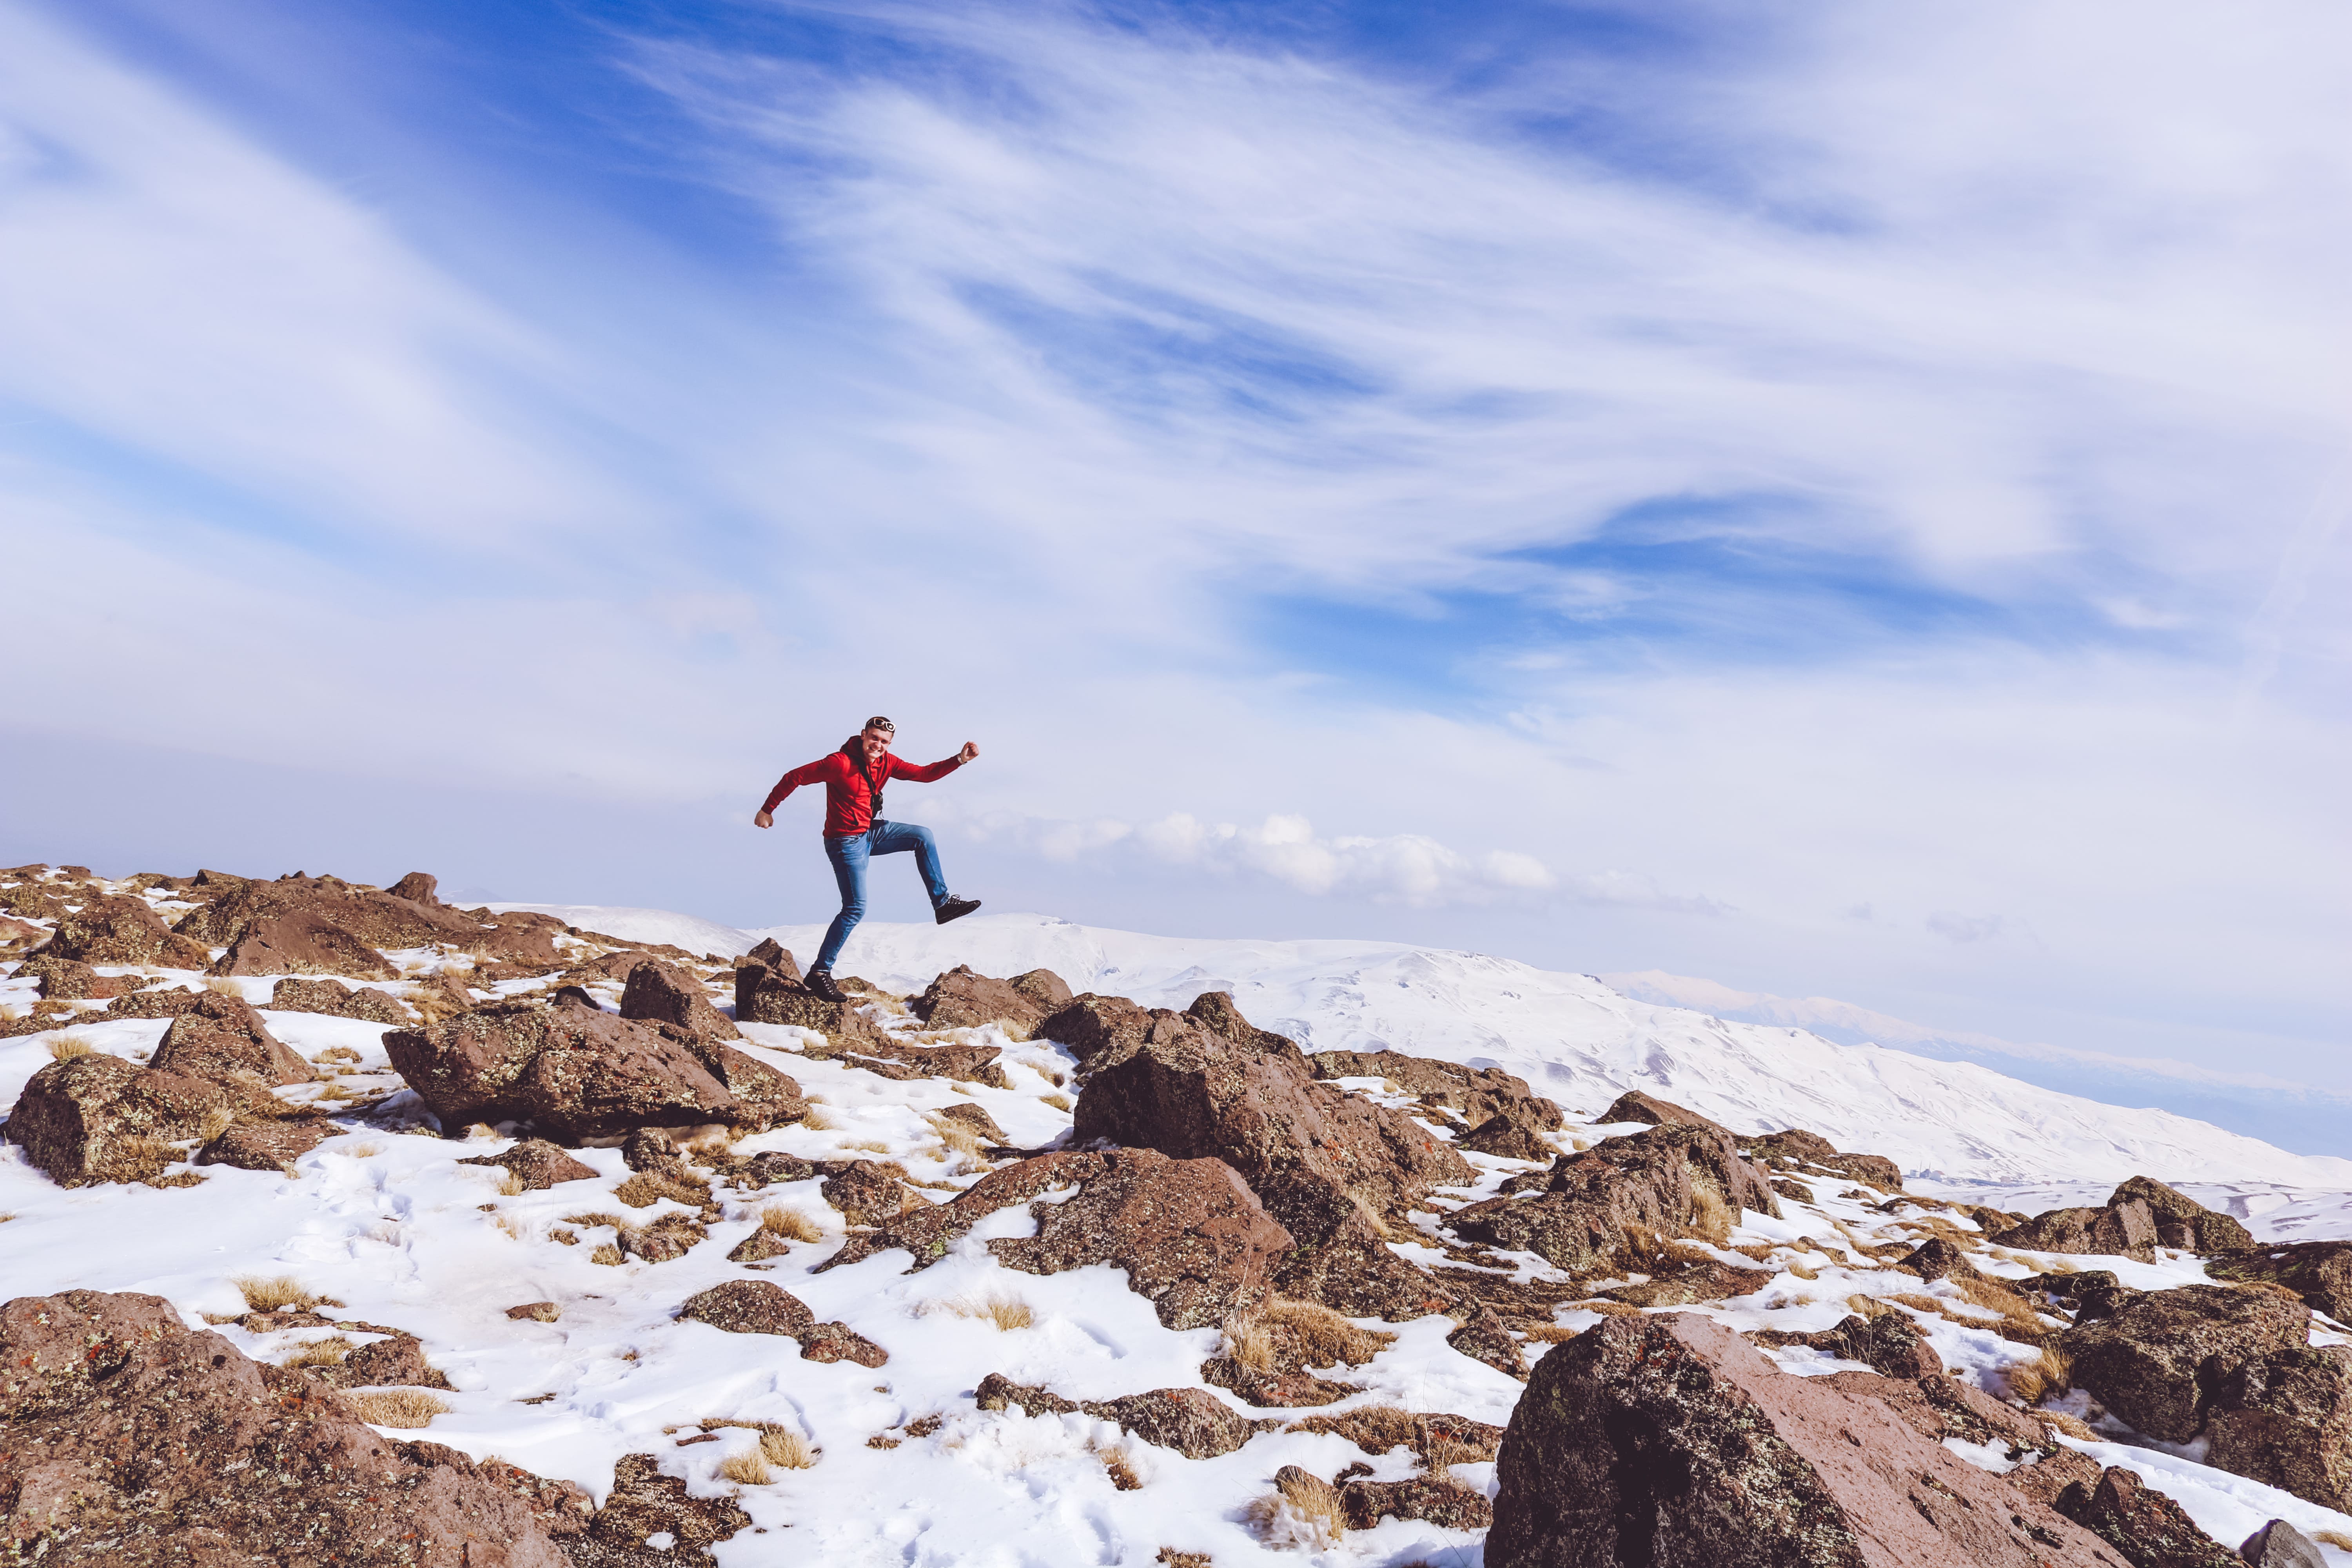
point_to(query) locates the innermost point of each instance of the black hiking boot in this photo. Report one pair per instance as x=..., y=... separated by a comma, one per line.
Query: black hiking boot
x=956, y=908
x=820, y=984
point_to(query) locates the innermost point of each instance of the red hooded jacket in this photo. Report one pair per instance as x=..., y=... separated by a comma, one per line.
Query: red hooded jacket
x=849, y=802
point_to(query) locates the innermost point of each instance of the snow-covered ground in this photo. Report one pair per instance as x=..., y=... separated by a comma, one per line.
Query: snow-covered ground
x=390, y=1225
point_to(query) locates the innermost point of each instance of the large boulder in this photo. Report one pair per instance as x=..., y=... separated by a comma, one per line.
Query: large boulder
x=267, y=1145
x=2158, y=1356
x=1652, y=1180
x=766, y=994
x=127, y=1438
x=336, y=1000
x=100, y=1119
x=2147, y=1527
x=962, y=999
x=322, y=921
x=536, y=1164
x=651, y=1521
x=1636, y=1106
x=659, y=993
x=2138, y=1216
x=1098, y=1030
x=1669, y=1442
x=112, y=928
x=203, y=1042
x=1193, y=1092
x=303, y=941
x=1477, y=1095
x=1804, y=1152
x=572, y=1074
x=1191, y=1421
x=71, y=980
x=2287, y=1421
x=2318, y=1271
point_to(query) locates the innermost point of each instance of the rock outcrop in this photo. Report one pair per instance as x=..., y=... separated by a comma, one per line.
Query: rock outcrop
x=70, y=980
x=1636, y=1106
x=1191, y=1421
x=1889, y=1344
x=571, y=1074
x=338, y=1000
x=767, y=993
x=113, y=928
x=1809, y=1153
x=100, y=1119
x=757, y=1307
x=1668, y=1441
x=1477, y=1095
x=2318, y=1271
x=2158, y=1357
x=536, y=1164
x=201, y=1042
x=659, y=993
x=2148, y=1528
x=1583, y=1207
x=2287, y=1421
x=651, y=1521
x=2139, y=1217
x=267, y=1145
x=312, y=924
x=127, y=1438
x=1098, y=1030
x=962, y=999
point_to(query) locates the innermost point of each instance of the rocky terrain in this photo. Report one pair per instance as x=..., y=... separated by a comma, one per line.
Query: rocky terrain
x=343, y=1225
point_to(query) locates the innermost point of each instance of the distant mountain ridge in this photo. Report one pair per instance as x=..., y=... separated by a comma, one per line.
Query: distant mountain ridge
x=1573, y=1037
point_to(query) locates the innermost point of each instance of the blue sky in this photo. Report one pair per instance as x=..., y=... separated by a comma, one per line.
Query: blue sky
x=1837, y=502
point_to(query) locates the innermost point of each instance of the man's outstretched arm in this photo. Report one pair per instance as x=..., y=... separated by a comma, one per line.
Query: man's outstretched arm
x=807, y=773
x=902, y=769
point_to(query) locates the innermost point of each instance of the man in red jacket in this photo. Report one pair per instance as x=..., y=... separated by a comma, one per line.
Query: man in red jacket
x=854, y=832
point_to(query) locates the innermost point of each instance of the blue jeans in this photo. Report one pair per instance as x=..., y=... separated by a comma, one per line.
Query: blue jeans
x=849, y=856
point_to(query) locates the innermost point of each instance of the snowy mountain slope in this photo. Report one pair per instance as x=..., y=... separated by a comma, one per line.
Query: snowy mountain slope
x=1573, y=1038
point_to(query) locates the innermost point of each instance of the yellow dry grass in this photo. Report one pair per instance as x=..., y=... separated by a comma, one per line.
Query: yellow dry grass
x=1803, y=1271
x=400, y=1407
x=1007, y=1312
x=217, y=1120
x=1711, y=1217
x=746, y=1468
x=1550, y=1333
x=1868, y=1307
x=1326, y=1337
x=786, y=1449
x=362, y=1151
x=789, y=1223
x=1298, y=1499
x=510, y=1184
x=2335, y=1538
x=646, y=1189
x=609, y=1254
x=65, y=1048
x=868, y=1145
x=816, y=1120
x=320, y=1353
x=2050, y=1372
x=2072, y=1426
x=1059, y=1101
x=958, y=1138
x=222, y=986
x=1122, y=1474
x=276, y=1293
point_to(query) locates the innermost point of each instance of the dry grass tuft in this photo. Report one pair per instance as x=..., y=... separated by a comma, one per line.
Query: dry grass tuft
x=1302, y=1511
x=320, y=1353
x=1802, y=1270
x=815, y=1120
x=786, y=1449
x=2335, y=1538
x=65, y=1048
x=646, y=1189
x=1867, y=1307
x=608, y=1253
x=959, y=1138
x=746, y=1468
x=1059, y=1101
x=510, y=1184
x=1122, y=1474
x=2016, y=1313
x=222, y=986
x=217, y=1120
x=279, y=1293
x=1324, y=1337
x=1248, y=1342
x=1551, y=1333
x=791, y=1223
x=2052, y=1372
x=2073, y=1426
x=1711, y=1217
x=402, y=1407
x=1007, y=1312
x=867, y=1146
x=516, y=1229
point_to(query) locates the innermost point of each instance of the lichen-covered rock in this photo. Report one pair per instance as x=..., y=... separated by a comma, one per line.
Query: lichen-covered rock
x=417, y=887
x=750, y=1307
x=303, y=941
x=113, y=928
x=869, y=1192
x=644, y=1504
x=267, y=1145
x=1191, y=1421
x=199, y=1044
x=1669, y=1442
x=2287, y=1421
x=1650, y=1179
x=1477, y=1095
x=1484, y=1336
x=839, y=1342
x=889, y=1057
x=1636, y=1106
x=972, y=1115
x=962, y=999
x=1098, y=1030
x=570, y=1074
x=1509, y=1137
x=1431, y=1499
x=661, y=993
x=1798, y=1150
x=397, y=1360
x=2156, y=1358
x=536, y=1164
x=768, y=995
x=131, y=1440
x=2181, y=1220
x=2318, y=1271
x=2279, y=1545
x=2139, y=1217
x=100, y=1119
x=70, y=980
x=2148, y=1528
x=338, y=1000
x=1889, y=1344
x=323, y=918
x=1193, y=1238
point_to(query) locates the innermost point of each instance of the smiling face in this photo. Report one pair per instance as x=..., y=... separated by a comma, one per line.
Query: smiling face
x=876, y=742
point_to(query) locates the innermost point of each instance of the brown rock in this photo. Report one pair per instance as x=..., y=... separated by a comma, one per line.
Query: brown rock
x=1936, y=1259
x=1799, y=1150
x=14, y=932
x=1634, y=1106
x=397, y=1362
x=535, y=1312
x=1383, y=1428
x=1668, y=1441
x=1482, y=1337
x=571, y=1074
x=1273, y=1389
x=1509, y=1136
x=1097, y=1029
x=303, y=941
x=1433, y=1500
x=99, y=1119
x=2155, y=1359
x=1651, y=1180
x=976, y=1117
x=869, y=1192
x=751, y=1306
x=658, y=993
x=324, y=919
x=114, y=929
x=765, y=995
x=2318, y=1271
x=338, y=1000
x=1342, y=1258
x=2128, y=1231
x=2148, y=1528
x=927, y=1230
x=2181, y=1220
x=1192, y=1092
x=1939, y=1408
x=1194, y=1422
x=1688, y=1284
x=1889, y=1344
x=131, y=1440
x=70, y=980
x=267, y=1145
x=1048, y=990
x=1193, y=1238
x=839, y=1342
x=764, y=1097
x=645, y=1503
x=2287, y=1421
x=1478, y=1094
x=881, y=1054
x=417, y=887
x=773, y=955
x=538, y=1163
x=961, y=999
x=199, y=1044
x=2279, y=1545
